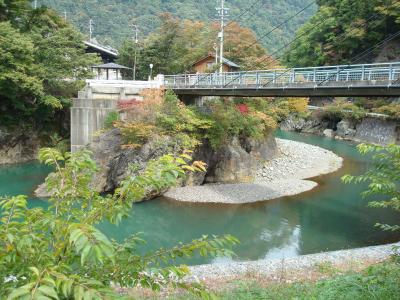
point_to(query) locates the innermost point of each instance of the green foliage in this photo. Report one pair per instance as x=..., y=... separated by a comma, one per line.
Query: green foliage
x=58, y=252
x=342, y=29
x=112, y=22
x=339, y=110
x=42, y=63
x=376, y=282
x=230, y=122
x=218, y=121
x=111, y=118
x=135, y=134
x=392, y=110
x=383, y=179
x=177, y=44
x=164, y=117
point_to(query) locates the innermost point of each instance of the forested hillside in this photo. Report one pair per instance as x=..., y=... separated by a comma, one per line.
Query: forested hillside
x=347, y=31
x=112, y=18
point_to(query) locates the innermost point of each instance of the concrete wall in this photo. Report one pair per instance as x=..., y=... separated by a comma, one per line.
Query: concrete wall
x=96, y=100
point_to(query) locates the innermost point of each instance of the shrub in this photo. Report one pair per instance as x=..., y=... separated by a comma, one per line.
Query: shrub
x=392, y=110
x=339, y=110
x=111, y=118
x=229, y=121
x=134, y=135
x=298, y=106
x=59, y=253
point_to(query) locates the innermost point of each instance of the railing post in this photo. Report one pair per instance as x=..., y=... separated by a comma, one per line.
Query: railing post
x=391, y=77
x=174, y=81
x=274, y=78
x=294, y=76
x=363, y=73
x=315, y=75
x=257, y=79
x=337, y=73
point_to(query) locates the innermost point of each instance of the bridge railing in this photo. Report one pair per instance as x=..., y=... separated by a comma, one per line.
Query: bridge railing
x=387, y=72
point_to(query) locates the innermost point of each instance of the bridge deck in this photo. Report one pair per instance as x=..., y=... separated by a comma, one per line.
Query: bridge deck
x=346, y=80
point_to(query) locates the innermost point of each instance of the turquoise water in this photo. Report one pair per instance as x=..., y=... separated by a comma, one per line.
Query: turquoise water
x=333, y=216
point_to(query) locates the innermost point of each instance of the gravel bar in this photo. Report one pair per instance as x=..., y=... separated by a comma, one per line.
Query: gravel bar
x=273, y=267
x=279, y=177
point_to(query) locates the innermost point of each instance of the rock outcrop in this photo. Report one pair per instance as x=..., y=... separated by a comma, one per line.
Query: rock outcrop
x=18, y=146
x=370, y=129
x=236, y=161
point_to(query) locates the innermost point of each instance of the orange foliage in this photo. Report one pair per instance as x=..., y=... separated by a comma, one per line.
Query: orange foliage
x=145, y=111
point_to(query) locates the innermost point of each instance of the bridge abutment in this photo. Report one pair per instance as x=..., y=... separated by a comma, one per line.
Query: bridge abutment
x=96, y=101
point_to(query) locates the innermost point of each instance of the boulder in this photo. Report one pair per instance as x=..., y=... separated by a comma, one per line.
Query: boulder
x=345, y=129
x=329, y=133
x=294, y=123
x=236, y=161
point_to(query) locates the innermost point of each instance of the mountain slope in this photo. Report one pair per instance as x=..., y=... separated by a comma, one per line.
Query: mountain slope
x=112, y=19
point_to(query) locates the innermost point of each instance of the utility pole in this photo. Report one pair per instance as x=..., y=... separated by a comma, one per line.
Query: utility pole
x=216, y=54
x=90, y=29
x=222, y=13
x=136, y=48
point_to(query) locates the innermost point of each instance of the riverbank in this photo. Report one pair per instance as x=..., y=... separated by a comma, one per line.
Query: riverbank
x=291, y=269
x=282, y=176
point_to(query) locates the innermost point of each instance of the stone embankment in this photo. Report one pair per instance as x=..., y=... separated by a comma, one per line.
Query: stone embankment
x=371, y=129
x=281, y=176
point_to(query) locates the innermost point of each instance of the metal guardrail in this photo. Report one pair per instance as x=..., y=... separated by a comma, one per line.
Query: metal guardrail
x=367, y=73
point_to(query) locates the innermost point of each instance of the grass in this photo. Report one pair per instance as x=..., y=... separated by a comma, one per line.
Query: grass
x=377, y=282
x=380, y=281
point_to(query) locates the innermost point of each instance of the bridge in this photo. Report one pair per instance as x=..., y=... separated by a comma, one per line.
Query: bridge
x=380, y=79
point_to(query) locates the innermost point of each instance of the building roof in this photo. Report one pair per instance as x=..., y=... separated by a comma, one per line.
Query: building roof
x=101, y=48
x=230, y=63
x=224, y=60
x=111, y=66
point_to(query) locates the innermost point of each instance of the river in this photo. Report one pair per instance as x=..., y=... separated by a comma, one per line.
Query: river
x=332, y=216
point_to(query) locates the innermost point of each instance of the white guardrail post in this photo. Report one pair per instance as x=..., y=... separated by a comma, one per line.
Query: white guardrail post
x=391, y=77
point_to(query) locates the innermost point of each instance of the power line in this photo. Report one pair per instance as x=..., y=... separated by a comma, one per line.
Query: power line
x=345, y=34
x=259, y=39
x=361, y=55
x=243, y=13
x=278, y=26
x=301, y=35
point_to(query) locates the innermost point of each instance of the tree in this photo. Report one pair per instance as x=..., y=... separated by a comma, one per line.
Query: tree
x=43, y=63
x=21, y=90
x=58, y=253
x=177, y=44
x=12, y=10
x=383, y=179
x=341, y=29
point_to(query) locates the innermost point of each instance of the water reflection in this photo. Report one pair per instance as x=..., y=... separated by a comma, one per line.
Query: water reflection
x=289, y=248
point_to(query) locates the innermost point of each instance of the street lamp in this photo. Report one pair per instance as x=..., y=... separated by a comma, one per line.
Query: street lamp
x=151, y=71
